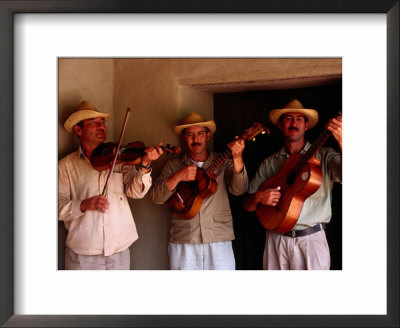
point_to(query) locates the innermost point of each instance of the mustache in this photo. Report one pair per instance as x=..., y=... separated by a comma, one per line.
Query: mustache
x=101, y=130
x=195, y=144
x=293, y=128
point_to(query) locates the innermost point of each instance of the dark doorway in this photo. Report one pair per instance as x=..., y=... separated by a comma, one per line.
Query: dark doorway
x=235, y=112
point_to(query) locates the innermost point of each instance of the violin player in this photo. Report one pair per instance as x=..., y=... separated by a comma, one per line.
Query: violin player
x=305, y=246
x=203, y=242
x=100, y=225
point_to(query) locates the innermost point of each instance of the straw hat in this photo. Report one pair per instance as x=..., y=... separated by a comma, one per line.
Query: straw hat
x=194, y=119
x=295, y=106
x=84, y=111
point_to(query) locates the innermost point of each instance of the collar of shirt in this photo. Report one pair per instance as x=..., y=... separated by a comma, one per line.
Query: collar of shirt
x=188, y=161
x=198, y=164
x=82, y=154
x=283, y=151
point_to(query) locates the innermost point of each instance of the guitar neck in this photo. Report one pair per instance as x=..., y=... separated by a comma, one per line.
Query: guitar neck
x=311, y=151
x=248, y=134
x=218, y=162
x=317, y=145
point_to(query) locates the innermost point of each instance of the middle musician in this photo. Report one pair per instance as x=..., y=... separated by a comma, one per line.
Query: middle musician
x=203, y=242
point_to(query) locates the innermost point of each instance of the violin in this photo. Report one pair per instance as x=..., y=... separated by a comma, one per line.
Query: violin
x=130, y=154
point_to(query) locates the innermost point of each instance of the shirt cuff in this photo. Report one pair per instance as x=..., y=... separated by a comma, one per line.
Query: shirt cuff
x=141, y=172
x=242, y=173
x=146, y=180
x=76, y=209
x=165, y=188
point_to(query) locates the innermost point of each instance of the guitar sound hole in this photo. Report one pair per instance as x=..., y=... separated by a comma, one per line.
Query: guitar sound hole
x=290, y=179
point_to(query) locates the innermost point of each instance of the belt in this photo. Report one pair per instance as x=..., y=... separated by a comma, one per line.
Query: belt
x=305, y=232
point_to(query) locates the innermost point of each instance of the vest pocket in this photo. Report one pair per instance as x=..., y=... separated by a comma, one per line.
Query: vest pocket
x=223, y=217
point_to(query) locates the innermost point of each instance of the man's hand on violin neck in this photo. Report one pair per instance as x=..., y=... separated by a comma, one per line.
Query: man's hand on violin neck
x=95, y=203
x=152, y=154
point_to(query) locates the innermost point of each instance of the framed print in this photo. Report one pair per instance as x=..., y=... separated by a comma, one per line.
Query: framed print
x=34, y=293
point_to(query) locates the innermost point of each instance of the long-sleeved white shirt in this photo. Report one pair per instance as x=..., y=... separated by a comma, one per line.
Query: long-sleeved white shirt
x=93, y=232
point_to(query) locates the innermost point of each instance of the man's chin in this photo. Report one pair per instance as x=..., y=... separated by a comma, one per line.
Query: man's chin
x=196, y=150
x=101, y=139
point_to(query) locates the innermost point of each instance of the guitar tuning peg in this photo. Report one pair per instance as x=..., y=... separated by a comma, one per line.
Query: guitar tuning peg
x=254, y=139
x=263, y=132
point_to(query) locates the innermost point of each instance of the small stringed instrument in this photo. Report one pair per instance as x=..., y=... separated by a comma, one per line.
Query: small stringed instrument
x=299, y=178
x=130, y=154
x=188, y=198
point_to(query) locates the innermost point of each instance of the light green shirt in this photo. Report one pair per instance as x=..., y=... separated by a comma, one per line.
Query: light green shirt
x=317, y=207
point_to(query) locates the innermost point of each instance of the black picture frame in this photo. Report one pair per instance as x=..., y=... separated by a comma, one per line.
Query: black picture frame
x=7, y=11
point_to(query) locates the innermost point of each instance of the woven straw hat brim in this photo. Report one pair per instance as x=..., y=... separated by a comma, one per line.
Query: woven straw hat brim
x=311, y=114
x=81, y=115
x=209, y=124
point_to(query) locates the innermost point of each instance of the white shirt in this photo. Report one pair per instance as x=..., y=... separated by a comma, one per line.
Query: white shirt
x=93, y=232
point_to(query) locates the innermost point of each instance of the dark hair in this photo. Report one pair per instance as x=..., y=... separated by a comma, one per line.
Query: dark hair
x=80, y=124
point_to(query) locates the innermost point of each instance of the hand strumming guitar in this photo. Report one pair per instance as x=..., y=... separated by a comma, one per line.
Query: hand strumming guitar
x=187, y=173
x=268, y=197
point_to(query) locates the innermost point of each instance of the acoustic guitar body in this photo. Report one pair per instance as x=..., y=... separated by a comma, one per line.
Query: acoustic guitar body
x=294, y=191
x=190, y=195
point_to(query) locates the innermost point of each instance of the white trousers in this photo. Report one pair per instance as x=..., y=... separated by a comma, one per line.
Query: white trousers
x=118, y=261
x=309, y=252
x=210, y=256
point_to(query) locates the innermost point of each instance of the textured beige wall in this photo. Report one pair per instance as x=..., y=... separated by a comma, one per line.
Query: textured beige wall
x=160, y=93
x=150, y=87
x=223, y=70
x=83, y=79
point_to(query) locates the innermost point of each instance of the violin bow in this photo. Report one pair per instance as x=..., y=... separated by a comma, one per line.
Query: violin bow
x=128, y=110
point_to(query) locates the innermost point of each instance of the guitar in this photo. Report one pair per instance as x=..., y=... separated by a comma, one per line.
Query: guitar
x=189, y=196
x=299, y=178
